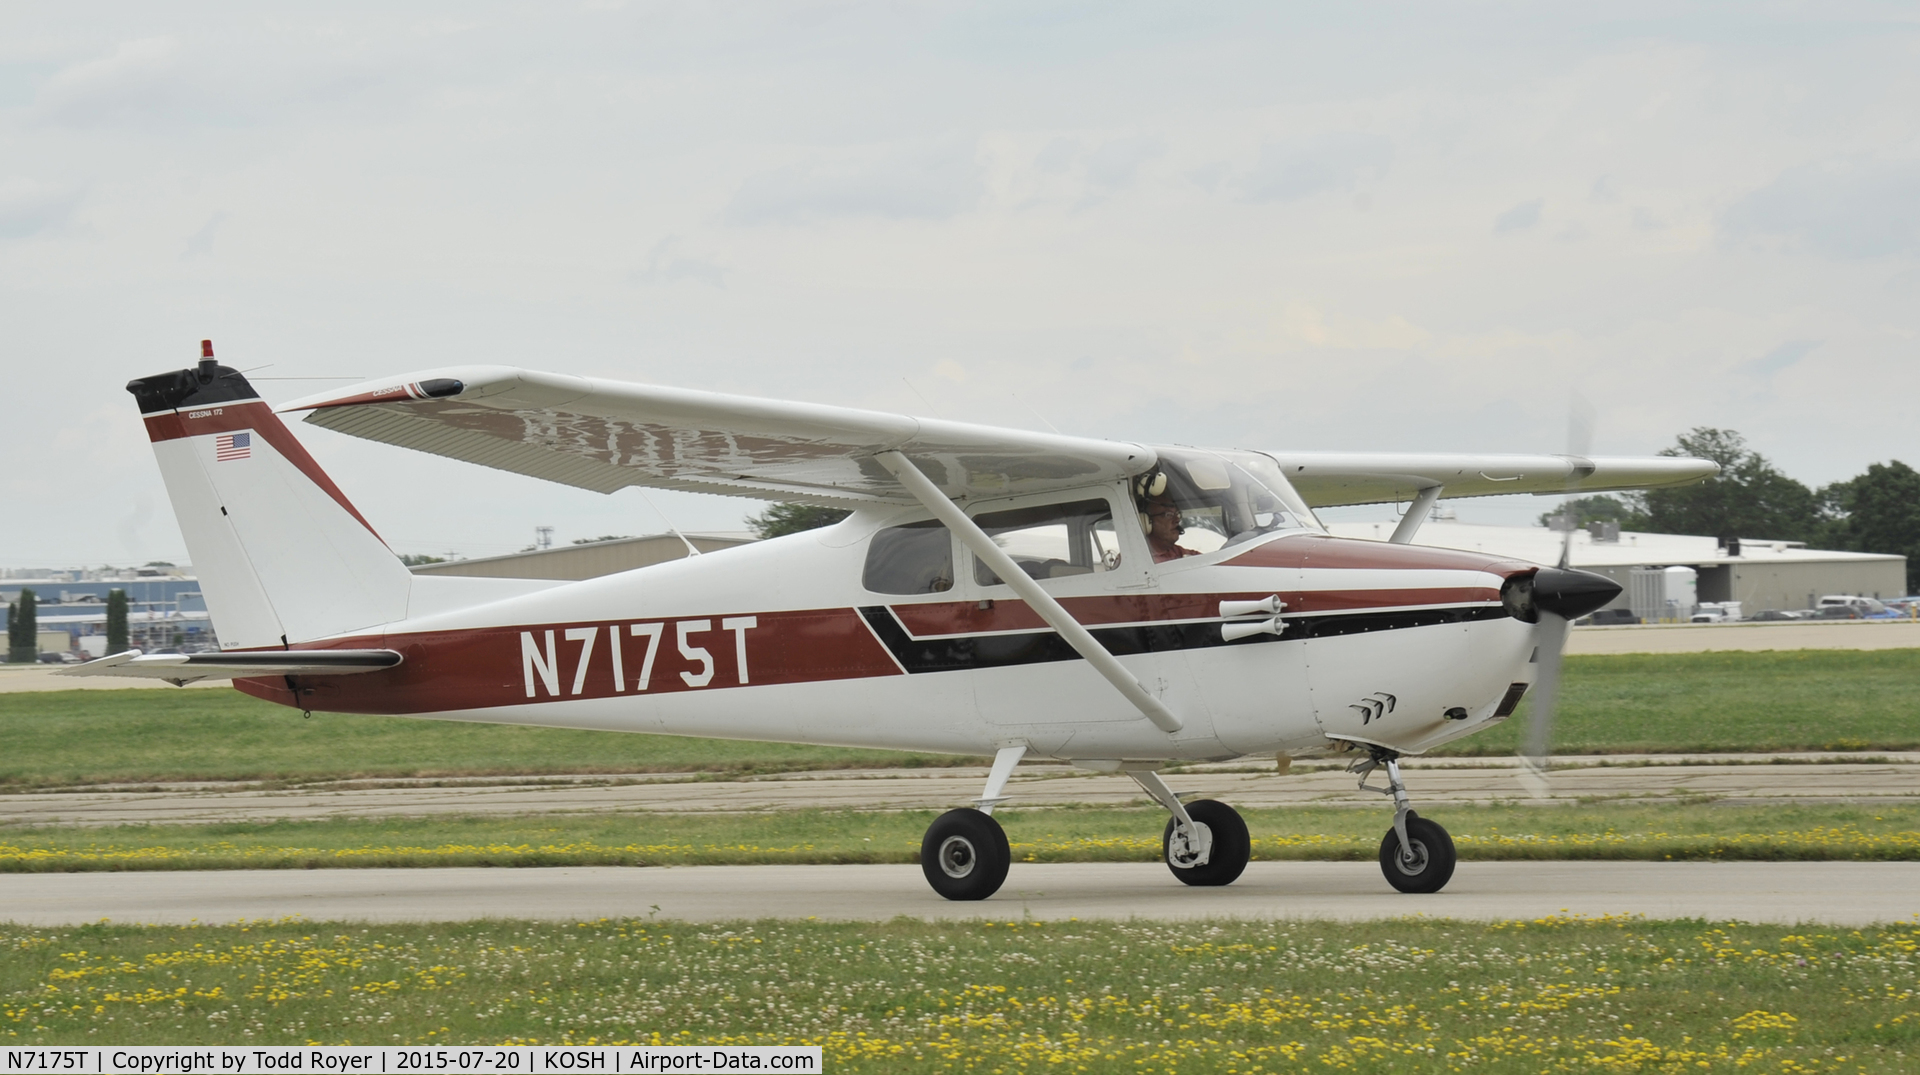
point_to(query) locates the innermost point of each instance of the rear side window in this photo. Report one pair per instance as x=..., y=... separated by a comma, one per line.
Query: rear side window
x=910, y=559
x=1053, y=541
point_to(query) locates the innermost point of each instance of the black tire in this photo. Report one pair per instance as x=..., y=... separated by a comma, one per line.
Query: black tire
x=1232, y=847
x=965, y=855
x=1430, y=866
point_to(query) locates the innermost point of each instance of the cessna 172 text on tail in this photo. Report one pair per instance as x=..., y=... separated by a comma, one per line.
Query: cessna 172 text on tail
x=995, y=592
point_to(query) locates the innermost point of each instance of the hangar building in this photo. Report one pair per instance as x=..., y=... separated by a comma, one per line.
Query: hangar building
x=1759, y=574
x=586, y=561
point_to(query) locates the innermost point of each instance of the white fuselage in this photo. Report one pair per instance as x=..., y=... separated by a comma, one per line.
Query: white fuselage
x=1394, y=645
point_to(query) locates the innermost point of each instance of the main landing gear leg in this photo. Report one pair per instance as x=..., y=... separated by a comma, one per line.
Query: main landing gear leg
x=1416, y=855
x=965, y=853
x=1205, y=843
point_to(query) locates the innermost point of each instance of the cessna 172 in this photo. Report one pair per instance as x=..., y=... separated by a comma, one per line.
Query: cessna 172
x=995, y=592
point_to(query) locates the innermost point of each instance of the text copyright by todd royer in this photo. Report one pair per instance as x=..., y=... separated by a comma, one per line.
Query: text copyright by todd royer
x=390, y=1060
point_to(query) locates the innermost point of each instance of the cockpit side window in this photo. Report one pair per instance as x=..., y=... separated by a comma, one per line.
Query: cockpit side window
x=1197, y=501
x=1052, y=541
x=912, y=559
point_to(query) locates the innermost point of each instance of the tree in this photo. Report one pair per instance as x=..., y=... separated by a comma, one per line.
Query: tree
x=781, y=519
x=1879, y=511
x=1599, y=509
x=23, y=630
x=116, y=621
x=602, y=537
x=413, y=559
x=1749, y=498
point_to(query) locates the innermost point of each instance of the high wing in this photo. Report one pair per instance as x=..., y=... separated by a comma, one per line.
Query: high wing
x=1330, y=479
x=606, y=435
x=181, y=669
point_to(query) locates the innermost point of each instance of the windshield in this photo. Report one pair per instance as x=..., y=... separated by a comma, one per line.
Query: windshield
x=1222, y=498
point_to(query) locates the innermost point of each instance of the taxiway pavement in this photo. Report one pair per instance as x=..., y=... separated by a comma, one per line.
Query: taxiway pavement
x=1812, y=778
x=1832, y=893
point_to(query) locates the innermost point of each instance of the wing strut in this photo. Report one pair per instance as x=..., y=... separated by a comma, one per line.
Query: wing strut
x=1038, y=599
x=1416, y=514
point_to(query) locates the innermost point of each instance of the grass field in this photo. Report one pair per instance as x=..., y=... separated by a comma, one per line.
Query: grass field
x=1794, y=700
x=1800, y=700
x=140, y=736
x=1596, y=831
x=1401, y=996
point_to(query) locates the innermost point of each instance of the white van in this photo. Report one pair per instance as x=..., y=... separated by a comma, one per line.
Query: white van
x=1864, y=604
x=1717, y=612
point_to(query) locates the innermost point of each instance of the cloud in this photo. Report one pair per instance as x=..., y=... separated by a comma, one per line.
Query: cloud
x=1116, y=163
x=28, y=208
x=665, y=265
x=1519, y=218
x=1104, y=170
x=200, y=243
x=149, y=83
x=134, y=81
x=1333, y=161
x=1848, y=209
x=912, y=182
x=1777, y=359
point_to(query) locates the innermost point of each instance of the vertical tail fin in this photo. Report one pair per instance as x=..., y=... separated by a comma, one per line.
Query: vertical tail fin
x=281, y=555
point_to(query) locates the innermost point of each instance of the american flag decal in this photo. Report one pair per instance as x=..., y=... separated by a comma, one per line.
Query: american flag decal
x=232, y=446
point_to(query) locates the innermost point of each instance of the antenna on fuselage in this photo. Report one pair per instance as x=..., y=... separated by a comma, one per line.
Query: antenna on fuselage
x=671, y=529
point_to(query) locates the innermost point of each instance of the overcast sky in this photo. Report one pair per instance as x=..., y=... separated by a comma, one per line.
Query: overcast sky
x=1305, y=226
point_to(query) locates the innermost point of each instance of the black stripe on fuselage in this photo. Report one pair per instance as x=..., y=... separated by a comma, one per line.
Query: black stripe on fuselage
x=960, y=652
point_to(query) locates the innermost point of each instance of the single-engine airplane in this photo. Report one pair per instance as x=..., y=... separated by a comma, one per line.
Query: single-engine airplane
x=995, y=592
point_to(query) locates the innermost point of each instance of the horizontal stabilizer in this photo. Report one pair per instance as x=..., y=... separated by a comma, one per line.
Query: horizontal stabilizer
x=181, y=669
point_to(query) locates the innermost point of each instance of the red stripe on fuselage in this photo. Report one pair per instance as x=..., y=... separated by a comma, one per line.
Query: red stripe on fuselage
x=492, y=667
x=258, y=417
x=1350, y=553
x=487, y=667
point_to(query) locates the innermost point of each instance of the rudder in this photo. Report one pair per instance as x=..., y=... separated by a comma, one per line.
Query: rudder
x=282, y=556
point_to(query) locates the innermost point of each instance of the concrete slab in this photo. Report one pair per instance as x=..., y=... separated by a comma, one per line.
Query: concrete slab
x=1833, y=893
x=21, y=678
x=1434, y=783
x=1716, y=637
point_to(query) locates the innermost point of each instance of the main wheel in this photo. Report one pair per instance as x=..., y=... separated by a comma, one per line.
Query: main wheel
x=1228, y=856
x=965, y=855
x=1428, y=864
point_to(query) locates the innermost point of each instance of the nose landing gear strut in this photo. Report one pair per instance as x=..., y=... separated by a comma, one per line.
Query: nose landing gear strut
x=1416, y=855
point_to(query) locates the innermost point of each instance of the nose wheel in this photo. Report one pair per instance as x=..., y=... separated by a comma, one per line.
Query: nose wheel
x=1424, y=863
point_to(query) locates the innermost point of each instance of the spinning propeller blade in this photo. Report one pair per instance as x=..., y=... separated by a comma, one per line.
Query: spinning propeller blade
x=1551, y=594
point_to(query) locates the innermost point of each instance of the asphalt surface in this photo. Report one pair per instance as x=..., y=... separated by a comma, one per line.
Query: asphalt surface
x=1714, y=637
x=1833, y=893
x=1434, y=782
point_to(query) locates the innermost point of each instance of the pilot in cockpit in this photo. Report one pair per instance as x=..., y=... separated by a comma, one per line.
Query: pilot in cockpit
x=1160, y=518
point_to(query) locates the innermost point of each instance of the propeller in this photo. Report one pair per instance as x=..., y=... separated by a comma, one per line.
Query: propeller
x=1551, y=601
